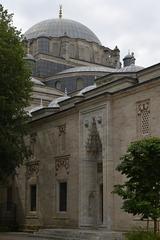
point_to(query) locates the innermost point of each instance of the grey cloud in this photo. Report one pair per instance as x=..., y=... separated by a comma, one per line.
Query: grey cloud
x=131, y=25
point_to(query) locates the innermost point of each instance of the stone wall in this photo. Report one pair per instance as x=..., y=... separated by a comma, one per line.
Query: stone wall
x=53, y=161
x=134, y=117
x=65, y=48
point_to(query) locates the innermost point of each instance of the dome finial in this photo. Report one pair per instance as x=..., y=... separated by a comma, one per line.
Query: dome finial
x=129, y=59
x=60, y=11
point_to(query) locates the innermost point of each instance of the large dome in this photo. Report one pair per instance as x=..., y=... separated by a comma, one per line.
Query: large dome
x=61, y=27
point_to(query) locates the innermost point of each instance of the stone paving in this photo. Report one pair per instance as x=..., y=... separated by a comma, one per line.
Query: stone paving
x=52, y=234
x=16, y=236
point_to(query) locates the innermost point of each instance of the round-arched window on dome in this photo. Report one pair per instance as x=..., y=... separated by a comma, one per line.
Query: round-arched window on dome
x=58, y=85
x=43, y=45
x=79, y=83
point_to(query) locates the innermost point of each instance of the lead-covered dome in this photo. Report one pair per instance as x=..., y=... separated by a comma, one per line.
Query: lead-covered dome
x=61, y=27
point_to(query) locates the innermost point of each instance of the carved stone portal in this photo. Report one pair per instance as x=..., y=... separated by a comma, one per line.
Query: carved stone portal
x=93, y=145
x=91, y=204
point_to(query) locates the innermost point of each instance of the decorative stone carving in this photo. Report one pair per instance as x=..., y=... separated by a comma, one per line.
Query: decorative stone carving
x=32, y=169
x=62, y=162
x=86, y=123
x=94, y=144
x=143, y=106
x=99, y=120
x=62, y=129
x=143, y=117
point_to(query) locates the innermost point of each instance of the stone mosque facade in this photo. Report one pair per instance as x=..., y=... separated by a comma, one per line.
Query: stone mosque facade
x=85, y=110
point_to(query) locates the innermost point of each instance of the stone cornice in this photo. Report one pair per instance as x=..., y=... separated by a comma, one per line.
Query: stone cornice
x=94, y=94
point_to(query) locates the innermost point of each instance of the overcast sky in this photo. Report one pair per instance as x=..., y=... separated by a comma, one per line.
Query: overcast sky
x=131, y=25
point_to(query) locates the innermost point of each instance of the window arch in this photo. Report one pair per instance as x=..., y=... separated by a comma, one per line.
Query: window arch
x=79, y=83
x=43, y=45
x=58, y=85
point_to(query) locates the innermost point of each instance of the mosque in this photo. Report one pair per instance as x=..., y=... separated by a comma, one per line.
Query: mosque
x=67, y=56
x=85, y=110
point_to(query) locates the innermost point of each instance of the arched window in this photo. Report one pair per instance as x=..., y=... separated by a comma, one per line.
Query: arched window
x=79, y=83
x=58, y=85
x=43, y=45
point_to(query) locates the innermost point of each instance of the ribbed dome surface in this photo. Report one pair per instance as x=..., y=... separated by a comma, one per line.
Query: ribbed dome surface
x=88, y=69
x=61, y=27
x=130, y=68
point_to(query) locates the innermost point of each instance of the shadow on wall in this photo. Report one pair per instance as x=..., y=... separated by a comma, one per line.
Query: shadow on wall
x=11, y=210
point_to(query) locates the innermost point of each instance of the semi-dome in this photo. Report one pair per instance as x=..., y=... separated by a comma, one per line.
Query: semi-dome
x=54, y=102
x=61, y=27
x=37, y=82
x=88, y=69
x=130, y=68
x=86, y=89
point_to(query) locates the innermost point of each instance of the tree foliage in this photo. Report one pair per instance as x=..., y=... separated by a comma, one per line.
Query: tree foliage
x=15, y=89
x=141, y=190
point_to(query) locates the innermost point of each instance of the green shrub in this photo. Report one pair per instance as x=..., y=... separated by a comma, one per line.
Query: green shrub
x=141, y=235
